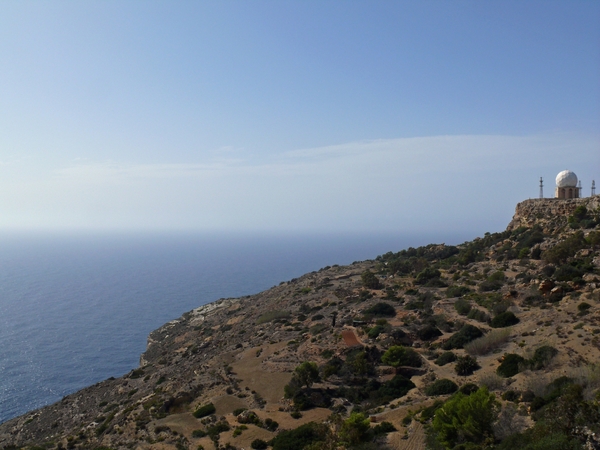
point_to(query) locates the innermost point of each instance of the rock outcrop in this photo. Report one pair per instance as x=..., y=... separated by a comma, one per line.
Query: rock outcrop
x=549, y=213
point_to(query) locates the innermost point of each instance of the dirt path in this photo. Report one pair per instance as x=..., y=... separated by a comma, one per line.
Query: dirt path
x=350, y=338
x=415, y=441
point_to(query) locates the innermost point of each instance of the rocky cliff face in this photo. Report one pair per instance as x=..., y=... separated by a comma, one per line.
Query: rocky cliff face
x=550, y=213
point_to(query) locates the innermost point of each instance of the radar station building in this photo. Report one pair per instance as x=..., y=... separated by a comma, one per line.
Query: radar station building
x=566, y=185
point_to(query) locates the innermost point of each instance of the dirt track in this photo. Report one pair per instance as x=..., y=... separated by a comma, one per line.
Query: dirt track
x=350, y=338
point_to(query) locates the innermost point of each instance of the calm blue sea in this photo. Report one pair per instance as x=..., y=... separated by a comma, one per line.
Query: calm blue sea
x=76, y=309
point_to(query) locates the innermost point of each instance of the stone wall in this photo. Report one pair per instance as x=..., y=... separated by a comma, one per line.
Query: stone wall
x=550, y=213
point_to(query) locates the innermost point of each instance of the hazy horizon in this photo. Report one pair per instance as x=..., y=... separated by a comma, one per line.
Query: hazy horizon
x=283, y=117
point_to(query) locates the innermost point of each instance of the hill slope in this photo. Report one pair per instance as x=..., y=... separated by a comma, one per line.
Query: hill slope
x=511, y=311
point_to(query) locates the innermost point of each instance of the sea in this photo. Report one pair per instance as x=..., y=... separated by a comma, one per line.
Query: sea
x=76, y=308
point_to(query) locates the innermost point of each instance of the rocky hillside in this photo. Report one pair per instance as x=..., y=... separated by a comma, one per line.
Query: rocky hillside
x=488, y=344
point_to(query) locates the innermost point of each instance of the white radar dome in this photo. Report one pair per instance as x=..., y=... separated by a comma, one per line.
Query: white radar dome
x=566, y=179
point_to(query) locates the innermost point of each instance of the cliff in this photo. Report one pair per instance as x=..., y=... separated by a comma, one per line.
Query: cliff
x=392, y=337
x=549, y=213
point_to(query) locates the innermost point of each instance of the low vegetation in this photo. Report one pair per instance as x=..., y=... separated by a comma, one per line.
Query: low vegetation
x=471, y=321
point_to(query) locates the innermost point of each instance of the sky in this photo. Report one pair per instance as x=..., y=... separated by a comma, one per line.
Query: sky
x=282, y=116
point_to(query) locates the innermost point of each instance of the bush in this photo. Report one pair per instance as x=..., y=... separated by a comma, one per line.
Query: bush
x=355, y=428
x=375, y=331
x=466, y=419
x=306, y=374
x=465, y=335
x=468, y=388
x=487, y=343
x=511, y=365
x=441, y=387
x=497, y=276
x=428, y=333
x=488, y=285
x=395, y=388
x=565, y=249
x=384, y=428
x=398, y=355
x=219, y=427
x=426, y=275
x=270, y=424
x=457, y=291
x=273, y=315
x=466, y=365
x=511, y=396
x=198, y=433
x=505, y=319
x=445, y=358
x=370, y=281
x=583, y=306
x=542, y=357
x=478, y=315
x=462, y=306
x=301, y=437
x=204, y=411
x=568, y=272
x=258, y=444
x=381, y=309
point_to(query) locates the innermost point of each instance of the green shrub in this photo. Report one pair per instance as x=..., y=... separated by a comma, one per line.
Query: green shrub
x=398, y=355
x=198, y=433
x=355, y=428
x=462, y=306
x=273, y=315
x=238, y=411
x=466, y=419
x=426, y=275
x=205, y=410
x=511, y=396
x=428, y=333
x=445, y=358
x=300, y=437
x=567, y=272
x=466, y=365
x=468, y=388
x=542, y=357
x=217, y=428
x=505, y=319
x=478, y=315
x=383, y=428
x=395, y=388
x=443, y=386
x=375, y=331
x=370, y=281
x=489, y=285
x=511, y=365
x=457, y=291
x=258, y=444
x=306, y=374
x=381, y=309
x=583, y=306
x=565, y=249
x=497, y=276
x=270, y=424
x=465, y=335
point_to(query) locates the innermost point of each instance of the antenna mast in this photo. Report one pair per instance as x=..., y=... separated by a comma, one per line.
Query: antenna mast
x=579, y=188
x=593, y=188
x=541, y=188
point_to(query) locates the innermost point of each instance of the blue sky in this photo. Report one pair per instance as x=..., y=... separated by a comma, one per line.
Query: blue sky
x=292, y=116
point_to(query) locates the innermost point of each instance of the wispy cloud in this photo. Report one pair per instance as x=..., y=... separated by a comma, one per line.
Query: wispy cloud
x=423, y=182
